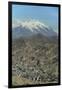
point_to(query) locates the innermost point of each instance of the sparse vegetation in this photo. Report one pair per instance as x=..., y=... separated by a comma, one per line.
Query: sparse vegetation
x=34, y=61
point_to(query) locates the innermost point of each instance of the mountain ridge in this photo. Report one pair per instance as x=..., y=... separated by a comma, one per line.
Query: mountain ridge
x=25, y=28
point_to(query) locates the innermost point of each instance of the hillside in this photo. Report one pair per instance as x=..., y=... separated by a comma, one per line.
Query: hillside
x=35, y=60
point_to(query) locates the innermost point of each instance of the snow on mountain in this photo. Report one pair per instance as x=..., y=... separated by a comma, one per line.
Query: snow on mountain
x=30, y=27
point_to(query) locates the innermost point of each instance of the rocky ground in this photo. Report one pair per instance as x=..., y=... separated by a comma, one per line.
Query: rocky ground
x=34, y=61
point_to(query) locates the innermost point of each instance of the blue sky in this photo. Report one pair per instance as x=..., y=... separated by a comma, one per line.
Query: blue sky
x=47, y=15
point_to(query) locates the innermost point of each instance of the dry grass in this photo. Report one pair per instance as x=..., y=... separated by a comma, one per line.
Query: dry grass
x=17, y=80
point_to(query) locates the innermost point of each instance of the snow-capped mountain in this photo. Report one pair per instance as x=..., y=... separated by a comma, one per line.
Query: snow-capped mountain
x=31, y=27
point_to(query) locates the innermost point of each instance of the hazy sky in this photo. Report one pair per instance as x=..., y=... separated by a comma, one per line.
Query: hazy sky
x=47, y=15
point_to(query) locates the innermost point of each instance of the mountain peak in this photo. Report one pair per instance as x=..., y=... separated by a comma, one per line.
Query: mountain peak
x=30, y=24
x=31, y=27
